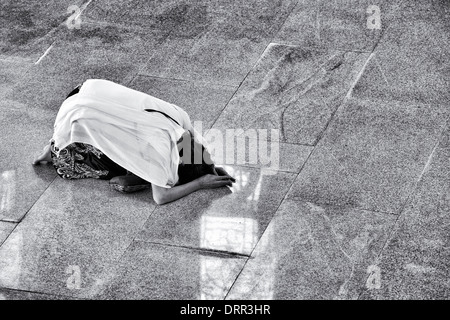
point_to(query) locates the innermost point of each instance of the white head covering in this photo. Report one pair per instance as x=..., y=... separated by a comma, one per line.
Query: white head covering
x=113, y=119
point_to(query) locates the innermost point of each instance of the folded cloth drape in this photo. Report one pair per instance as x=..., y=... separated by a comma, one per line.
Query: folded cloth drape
x=113, y=119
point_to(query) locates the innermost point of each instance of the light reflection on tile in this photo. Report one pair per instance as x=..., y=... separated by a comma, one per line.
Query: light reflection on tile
x=5, y=229
x=246, y=208
x=228, y=233
x=313, y=252
x=24, y=133
x=258, y=153
x=7, y=190
x=156, y=272
x=70, y=239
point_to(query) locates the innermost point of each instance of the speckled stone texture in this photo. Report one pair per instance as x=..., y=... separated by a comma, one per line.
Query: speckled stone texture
x=313, y=252
x=155, y=272
x=67, y=243
x=348, y=199
x=230, y=220
x=415, y=262
x=5, y=230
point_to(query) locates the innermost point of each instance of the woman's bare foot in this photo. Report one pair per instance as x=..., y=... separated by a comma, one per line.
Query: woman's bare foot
x=129, y=183
x=44, y=157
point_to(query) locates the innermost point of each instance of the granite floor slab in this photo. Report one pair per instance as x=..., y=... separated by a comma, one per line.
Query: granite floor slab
x=223, y=50
x=23, y=135
x=25, y=24
x=155, y=272
x=226, y=219
x=206, y=59
x=202, y=101
x=293, y=90
x=257, y=151
x=415, y=262
x=371, y=156
x=344, y=25
x=313, y=252
x=69, y=241
x=93, y=51
x=409, y=65
x=162, y=15
x=5, y=230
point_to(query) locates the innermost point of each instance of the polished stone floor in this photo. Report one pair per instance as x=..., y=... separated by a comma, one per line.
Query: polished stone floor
x=351, y=201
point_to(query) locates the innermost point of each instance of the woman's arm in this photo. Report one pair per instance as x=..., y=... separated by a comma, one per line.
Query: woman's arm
x=164, y=195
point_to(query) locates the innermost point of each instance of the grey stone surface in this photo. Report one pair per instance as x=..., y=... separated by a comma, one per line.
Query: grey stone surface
x=371, y=156
x=93, y=51
x=207, y=59
x=24, y=133
x=202, y=101
x=313, y=252
x=25, y=26
x=226, y=219
x=294, y=90
x=155, y=272
x=415, y=263
x=262, y=153
x=371, y=120
x=69, y=241
x=15, y=295
x=410, y=64
x=5, y=230
x=332, y=24
x=226, y=41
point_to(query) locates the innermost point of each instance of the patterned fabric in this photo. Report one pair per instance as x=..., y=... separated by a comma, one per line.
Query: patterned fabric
x=80, y=161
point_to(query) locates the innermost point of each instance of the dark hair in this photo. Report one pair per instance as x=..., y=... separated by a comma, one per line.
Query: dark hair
x=189, y=170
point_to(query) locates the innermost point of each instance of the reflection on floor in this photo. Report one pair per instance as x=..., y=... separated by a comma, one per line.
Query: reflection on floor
x=345, y=198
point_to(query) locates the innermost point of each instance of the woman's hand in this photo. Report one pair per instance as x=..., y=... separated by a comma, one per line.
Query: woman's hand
x=211, y=181
x=221, y=172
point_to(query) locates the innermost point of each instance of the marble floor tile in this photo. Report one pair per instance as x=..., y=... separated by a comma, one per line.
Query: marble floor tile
x=415, y=263
x=23, y=135
x=334, y=24
x=419, y=11
x=94, y=51
x=293, y=90
x=256, y=150
x=226, y=219
x=156, y=272
x=410, y=65
x=206, y=59
x=225, y=45
x=5, y=230
x=69, y=241
x=313, y=252
x=371, y=156
x=203, y=102
x=25, y=24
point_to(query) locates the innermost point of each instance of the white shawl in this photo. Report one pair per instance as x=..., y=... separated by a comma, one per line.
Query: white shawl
x=113, y=119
